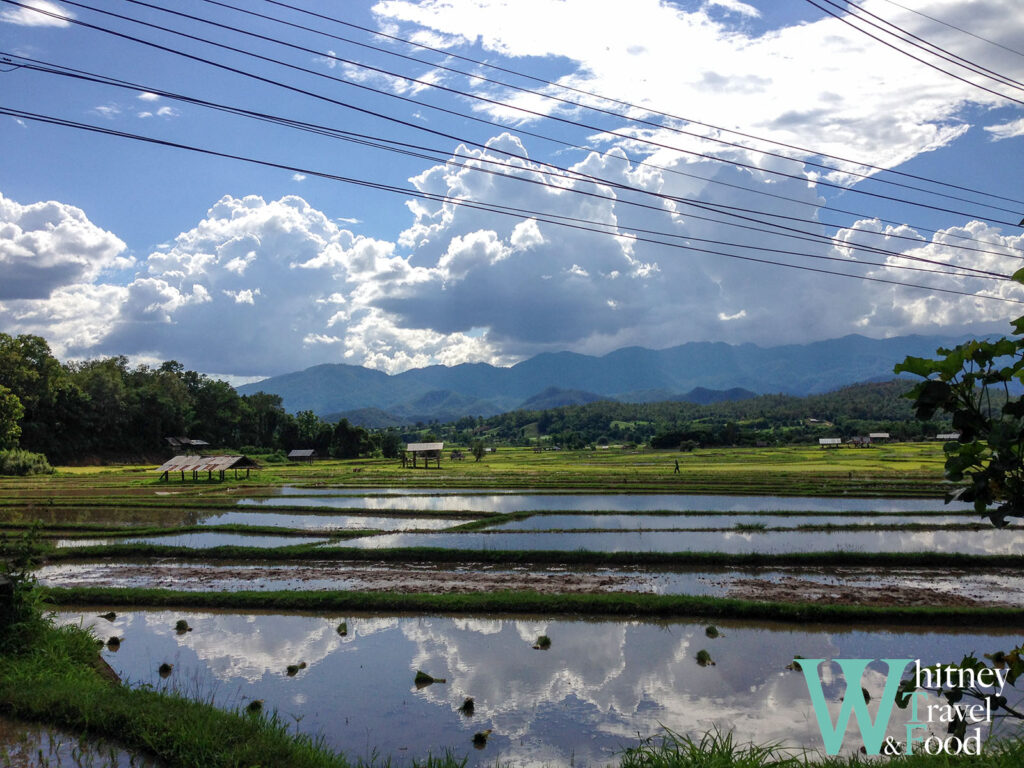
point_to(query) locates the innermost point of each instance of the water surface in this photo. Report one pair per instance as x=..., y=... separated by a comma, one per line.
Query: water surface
x=600, y=685
x=491, y=501
x=731, y=542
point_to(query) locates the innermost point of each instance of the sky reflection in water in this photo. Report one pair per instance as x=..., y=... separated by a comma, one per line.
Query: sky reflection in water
x=600, y=684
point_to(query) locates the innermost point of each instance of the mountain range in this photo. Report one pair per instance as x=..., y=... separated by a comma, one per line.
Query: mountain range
x=697, y=372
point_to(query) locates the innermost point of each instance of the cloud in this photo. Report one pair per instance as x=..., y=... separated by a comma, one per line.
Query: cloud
x=167, y=112
x=735, y=6
x=45, y=246
x=291, y=287
x=1006, y=130
x=818, y=84
x=109, y=111
x=298, y=177
x=26, y=17
x=147, y=96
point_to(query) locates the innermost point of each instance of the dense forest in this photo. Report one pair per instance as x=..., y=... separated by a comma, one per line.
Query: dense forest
x=107, y=409
x=768, y=419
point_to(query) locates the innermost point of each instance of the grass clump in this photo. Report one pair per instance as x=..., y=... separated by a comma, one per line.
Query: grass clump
x=18, y=462
x=719, y=750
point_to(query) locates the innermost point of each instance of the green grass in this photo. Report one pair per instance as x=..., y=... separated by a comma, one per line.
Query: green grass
x=50, y=675
x=716, y=749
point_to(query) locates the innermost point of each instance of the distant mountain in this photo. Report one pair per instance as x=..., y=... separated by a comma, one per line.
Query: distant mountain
x=632, y=374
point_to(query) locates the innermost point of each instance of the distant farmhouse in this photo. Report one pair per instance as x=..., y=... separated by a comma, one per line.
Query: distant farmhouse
x=185, y=444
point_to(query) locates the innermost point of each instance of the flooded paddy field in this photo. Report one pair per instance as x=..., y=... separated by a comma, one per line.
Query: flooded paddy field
x=600, y=686
x=556, y=521
x=731, y=542
x=508, y=501
x=28, y=745
x=853, y=586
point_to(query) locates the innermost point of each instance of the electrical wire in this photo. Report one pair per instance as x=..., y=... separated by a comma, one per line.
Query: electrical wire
x=419, y=103
x=958, y=29
x=440, y=156
x=405, y=123
x=845, y=20
x=622, y=103
x=640, y=121
x=493, y=208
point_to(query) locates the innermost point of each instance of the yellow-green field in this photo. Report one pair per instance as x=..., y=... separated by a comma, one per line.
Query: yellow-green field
x=894, y=469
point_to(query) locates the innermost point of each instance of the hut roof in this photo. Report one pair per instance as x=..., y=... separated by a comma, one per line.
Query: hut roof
x=422, y=447
x=206, y=463
x=301, y=453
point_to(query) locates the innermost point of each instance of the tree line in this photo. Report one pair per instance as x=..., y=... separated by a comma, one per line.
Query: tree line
x=768, y=419
x=107, y=408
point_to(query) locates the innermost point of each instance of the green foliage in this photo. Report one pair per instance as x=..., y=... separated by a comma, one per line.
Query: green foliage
x=477, y=449
x=713, y=750
x=971, y=383
x=21, y=620
x=11, y=412
x=19, y=462
x=772, y=419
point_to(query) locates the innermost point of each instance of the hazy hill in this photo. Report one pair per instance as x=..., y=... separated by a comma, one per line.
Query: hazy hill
x=631, y=374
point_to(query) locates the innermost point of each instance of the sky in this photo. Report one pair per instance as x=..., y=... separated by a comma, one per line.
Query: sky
x=253, y=188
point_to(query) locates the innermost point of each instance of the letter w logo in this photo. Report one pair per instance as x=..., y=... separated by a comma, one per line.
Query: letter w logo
x=873, y=732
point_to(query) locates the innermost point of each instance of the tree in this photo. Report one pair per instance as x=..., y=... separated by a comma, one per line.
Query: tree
x=972, y=383
x=477, y=449
x=10, y=412
x=349, y=441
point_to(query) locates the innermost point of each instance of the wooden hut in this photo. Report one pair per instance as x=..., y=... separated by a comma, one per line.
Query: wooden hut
x=302, y=454
x=427, y=451
x=207, y=464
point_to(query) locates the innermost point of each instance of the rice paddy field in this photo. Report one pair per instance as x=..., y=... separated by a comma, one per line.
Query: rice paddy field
x=322, y=590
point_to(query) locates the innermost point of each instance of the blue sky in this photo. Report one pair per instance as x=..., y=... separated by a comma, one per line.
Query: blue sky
x=109, y=245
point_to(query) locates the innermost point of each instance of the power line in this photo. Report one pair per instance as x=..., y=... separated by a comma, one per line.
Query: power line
x=637, y=120
x=534, y=113
x=951, y=26
x=441, y=156
x=498, y=209
x=845, y=20
x=405, y=123
x=926, y=45
x=363, y=86
x=622, y=103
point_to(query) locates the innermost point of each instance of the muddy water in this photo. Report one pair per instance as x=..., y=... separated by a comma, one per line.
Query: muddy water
x=332, y=522
x=733, y=542
x=909, y=586
x=585, y=699
x=26, y=745
x=208, y=540
x=540, y=522
x=617, y=502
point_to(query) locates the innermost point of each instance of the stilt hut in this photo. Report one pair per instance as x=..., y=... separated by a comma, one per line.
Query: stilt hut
x=208, y=464
x=428, y=452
